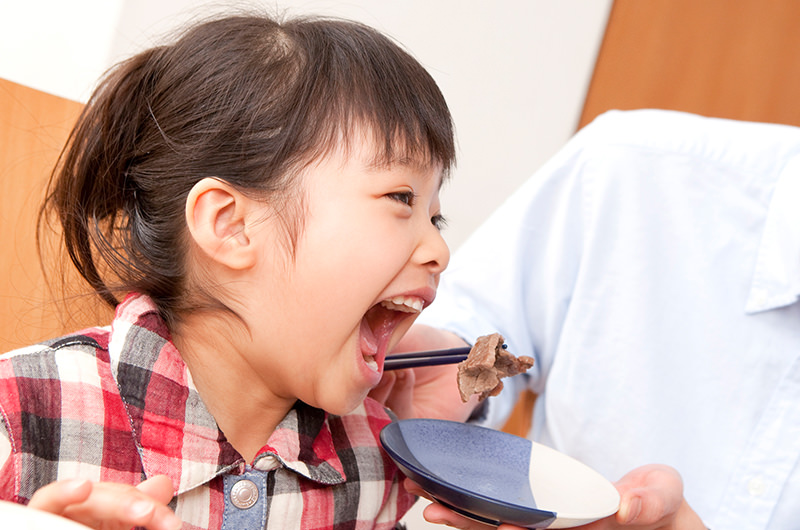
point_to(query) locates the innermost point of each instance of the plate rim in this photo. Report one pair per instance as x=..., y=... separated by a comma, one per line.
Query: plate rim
x=548, y=514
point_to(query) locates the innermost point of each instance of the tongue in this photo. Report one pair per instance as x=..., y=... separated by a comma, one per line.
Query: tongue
x=376, y=330
x=369, y=342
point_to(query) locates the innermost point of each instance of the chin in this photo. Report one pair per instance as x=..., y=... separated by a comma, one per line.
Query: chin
x=342, y=408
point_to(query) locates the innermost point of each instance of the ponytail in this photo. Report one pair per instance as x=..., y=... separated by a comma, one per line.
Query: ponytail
x=95, y=201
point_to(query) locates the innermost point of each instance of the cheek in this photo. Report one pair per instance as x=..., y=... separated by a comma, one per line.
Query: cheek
x=341, y=260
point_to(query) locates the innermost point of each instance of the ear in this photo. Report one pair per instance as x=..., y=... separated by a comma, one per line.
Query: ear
x=217, y=215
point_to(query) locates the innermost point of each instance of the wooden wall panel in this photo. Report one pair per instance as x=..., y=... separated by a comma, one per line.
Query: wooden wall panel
x=33, y=128
x=736, y=59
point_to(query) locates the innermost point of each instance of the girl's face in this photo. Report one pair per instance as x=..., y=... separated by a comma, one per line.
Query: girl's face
x=367, y=261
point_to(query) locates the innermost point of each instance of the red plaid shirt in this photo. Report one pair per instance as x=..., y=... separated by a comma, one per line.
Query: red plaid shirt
x=118, y=404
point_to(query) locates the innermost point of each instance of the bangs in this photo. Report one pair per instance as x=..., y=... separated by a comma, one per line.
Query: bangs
x=366, y=83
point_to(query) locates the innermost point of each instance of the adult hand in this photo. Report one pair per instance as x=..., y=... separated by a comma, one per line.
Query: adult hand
x=651, y=498
x=110, y=506
x=429, y=392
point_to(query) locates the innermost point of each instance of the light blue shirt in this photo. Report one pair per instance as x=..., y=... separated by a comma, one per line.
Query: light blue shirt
x=652, y=268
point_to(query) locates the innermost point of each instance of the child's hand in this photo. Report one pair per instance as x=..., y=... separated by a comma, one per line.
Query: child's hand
x=110, y=506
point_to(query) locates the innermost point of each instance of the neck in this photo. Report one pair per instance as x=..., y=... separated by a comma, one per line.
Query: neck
x=243, y=406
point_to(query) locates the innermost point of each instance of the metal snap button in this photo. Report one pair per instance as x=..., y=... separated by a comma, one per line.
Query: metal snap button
x=244, y=494
x=756, y=487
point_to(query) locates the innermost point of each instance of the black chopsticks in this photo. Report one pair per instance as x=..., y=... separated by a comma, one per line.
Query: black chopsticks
x=425, y=358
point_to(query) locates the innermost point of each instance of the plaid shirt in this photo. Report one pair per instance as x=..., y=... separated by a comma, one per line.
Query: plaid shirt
x=118, y=404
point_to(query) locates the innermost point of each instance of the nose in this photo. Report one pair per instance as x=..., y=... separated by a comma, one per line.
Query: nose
x=433, y=251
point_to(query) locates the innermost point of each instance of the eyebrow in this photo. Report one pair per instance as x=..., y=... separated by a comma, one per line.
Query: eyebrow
x=378, y=163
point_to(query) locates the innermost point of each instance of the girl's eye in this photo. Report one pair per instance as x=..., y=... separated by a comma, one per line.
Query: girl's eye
x=439, y=221
x=406, y=197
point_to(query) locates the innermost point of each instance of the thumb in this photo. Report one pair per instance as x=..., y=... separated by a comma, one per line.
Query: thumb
x=630, y=507
x=649, y=495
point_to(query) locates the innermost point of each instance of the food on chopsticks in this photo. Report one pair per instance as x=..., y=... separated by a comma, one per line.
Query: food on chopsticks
x=487, y=363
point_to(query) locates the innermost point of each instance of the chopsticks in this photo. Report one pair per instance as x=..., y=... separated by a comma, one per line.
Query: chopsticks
x=426, y=358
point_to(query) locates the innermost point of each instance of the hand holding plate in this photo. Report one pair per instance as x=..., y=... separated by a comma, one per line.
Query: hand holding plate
x=651, y=498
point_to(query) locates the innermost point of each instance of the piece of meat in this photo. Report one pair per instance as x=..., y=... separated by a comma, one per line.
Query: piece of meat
x=487, y=363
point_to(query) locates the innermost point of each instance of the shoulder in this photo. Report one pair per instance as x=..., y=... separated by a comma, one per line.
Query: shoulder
x=44, y=359
x=84, y=340
x=725, y=141
x=37, y=379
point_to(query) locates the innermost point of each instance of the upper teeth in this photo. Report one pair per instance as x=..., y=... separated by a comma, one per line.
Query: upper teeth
x=407, y=304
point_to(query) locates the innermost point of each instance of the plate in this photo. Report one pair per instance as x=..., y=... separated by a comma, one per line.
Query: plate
x=18, y=516
x=495, y=477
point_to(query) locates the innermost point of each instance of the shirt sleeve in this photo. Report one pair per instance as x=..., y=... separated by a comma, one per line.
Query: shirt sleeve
x=516, y=273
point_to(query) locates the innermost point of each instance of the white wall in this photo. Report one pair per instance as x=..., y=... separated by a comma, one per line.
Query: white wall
x=514, y=72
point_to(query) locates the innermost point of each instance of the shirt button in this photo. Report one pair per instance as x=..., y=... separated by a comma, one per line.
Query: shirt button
x=756, y=487
x=760, y=297
x=244, y=494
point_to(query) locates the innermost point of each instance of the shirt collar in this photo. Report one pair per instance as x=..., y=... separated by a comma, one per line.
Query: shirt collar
x=176, y=434
x=303, y=443
x=776, y=280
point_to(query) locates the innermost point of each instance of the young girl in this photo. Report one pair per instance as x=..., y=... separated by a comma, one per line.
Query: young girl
x=262, y=197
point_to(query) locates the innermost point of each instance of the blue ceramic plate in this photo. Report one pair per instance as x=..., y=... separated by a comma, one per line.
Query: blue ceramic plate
x=495, y=477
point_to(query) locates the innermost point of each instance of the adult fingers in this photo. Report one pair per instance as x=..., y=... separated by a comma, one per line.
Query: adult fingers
x=415, y=489
x=438, y=514
x=401, y=400
x=383, y=389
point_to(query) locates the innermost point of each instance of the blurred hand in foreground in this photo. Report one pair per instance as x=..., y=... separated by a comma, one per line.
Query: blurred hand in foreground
x=110, y=506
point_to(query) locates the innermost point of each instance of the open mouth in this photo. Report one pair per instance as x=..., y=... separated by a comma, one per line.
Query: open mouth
x=379, y=324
